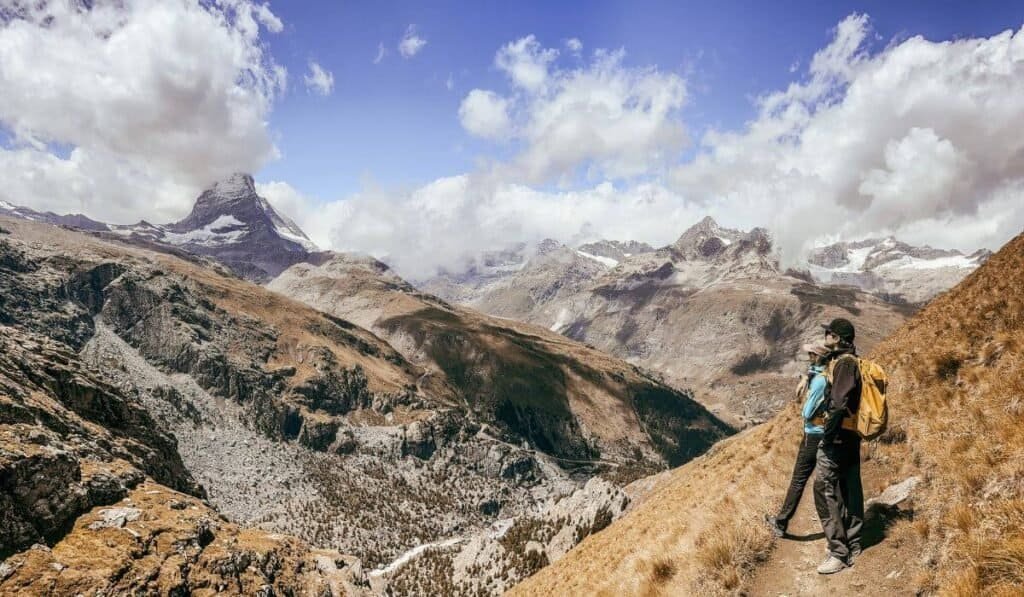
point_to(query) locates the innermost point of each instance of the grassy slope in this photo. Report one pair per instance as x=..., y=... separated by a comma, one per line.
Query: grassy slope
x=957, y=395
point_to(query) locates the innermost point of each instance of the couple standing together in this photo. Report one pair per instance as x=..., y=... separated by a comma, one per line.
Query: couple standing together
x=831, y=391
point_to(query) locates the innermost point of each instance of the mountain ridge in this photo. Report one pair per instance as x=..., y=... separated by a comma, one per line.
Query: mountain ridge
x=952, y=453
x=663, y=309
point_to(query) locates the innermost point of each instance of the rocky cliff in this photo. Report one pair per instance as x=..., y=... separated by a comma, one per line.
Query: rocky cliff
x=95, y=496
x=163, y=372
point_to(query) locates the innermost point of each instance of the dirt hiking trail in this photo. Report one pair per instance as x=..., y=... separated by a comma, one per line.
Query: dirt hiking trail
x=791, y=567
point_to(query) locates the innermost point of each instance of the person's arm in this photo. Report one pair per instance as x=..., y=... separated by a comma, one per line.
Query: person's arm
x=844, y=380
x=801, y=387
x=815, y=396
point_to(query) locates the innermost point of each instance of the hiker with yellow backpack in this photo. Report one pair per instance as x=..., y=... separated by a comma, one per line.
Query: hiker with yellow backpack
x=855, y=409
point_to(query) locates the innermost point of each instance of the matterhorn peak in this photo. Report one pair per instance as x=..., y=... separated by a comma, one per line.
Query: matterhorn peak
x=238, y=184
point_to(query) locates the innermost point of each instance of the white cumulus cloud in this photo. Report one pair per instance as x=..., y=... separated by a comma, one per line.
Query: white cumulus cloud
x=920, y=136
x=319, y=80
x=152, y=98
x=485, y=114
x=604, y=119
x=411, y=43
x=526, y=62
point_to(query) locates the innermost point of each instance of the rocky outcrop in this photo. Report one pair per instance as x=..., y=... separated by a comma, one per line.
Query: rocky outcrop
x=158, y=541
x=69, y=441
x=615, y=250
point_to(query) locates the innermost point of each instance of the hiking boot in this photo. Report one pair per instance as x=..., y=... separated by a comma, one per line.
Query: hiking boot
x=854, y=552
x=773, y=523
x=831, y=565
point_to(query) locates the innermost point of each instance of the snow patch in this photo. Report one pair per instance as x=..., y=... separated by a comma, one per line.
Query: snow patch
x=6, y=205
x=725, y=241
x=217, y=232
x=304, y=242
x=856, y=259
x=607, y=261
x=908, y=262
x=224, y=222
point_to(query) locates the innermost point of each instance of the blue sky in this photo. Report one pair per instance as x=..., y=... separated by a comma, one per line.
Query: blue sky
x=395, y=123
x=874, y=118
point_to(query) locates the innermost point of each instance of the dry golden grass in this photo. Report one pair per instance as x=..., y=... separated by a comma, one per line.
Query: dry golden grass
x=730, y=548
x=957, y=422
x=962, y=375
x=696, y=534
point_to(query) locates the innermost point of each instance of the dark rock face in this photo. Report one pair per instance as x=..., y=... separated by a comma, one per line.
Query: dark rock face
x=174, y=326
x=233, y=224
x=69, y=441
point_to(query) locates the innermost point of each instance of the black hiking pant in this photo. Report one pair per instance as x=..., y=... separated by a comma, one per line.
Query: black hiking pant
x=838, y=494
x=806, y=457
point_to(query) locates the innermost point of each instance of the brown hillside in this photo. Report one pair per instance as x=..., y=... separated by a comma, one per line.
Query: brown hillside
x=565, y=398
x=957, y=400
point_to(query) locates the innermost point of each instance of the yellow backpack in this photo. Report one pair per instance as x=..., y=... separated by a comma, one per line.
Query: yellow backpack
x=873, y=412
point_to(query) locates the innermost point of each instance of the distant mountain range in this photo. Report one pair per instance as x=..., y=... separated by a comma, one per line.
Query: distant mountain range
x=893, y=269
x=714, y=311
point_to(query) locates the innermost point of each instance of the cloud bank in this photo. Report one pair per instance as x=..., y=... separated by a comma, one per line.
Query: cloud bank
x=603, y=120
x=917, y=139
x=145, y=102
x=123, y=109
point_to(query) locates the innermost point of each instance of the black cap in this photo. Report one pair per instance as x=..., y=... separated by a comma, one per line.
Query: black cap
x=842, y=328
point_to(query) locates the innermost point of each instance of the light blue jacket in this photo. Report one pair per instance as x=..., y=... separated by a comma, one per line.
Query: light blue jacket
x=815, y=398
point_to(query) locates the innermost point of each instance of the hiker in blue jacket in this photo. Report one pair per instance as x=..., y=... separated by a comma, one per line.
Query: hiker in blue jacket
x=812, y=392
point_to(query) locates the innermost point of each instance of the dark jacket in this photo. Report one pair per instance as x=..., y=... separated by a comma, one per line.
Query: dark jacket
x=844, y=397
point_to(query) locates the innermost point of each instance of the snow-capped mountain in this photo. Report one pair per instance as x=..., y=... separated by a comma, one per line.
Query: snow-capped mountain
x=229, y=222
x=230, y=210
x=233, y=224
x=893, y=268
